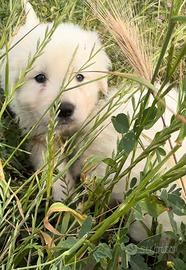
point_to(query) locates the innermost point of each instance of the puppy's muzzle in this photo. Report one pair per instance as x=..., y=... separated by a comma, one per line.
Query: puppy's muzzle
x=65, y=112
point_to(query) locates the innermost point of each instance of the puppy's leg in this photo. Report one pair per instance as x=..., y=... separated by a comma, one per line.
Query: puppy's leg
x=62, y=187
x=37, y=147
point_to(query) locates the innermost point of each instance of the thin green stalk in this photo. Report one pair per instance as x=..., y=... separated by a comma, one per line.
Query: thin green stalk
x=179, y=19
x=170, y=30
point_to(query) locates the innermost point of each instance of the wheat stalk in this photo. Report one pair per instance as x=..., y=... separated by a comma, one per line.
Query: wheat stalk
x=119, y=19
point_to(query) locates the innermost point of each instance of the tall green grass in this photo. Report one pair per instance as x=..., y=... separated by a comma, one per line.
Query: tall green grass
x=35, y=232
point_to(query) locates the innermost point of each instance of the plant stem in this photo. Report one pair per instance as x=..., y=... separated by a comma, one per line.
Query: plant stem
x=163, y=50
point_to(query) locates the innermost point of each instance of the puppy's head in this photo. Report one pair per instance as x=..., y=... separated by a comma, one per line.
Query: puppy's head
x=71, y=63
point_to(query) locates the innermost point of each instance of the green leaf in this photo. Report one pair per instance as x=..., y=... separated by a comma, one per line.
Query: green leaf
x=151, y=112
x=65, y=222
x=182, y=133
x=67, y=244
x=102, y=251
x=133, y=182
x=86, y=226
x=121, y=123
x=133, y=249
x=138, y=263
x=127, y=142
x=172, y=188
x=109, y=161
x=161, y=151
x=183, y=229
x=177, y=204
x=153, y=206
x=179, y=264
x=147, y=118
x=179, y=19
x=138, y=215
x=151, y=242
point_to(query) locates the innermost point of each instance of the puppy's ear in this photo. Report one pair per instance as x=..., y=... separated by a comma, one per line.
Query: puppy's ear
x=102, y=61
x=103, y=85
x=31, y=17
x=106, y=66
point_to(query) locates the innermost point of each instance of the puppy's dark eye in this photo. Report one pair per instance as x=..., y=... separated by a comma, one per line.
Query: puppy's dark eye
x=40, y=78
x=79, y=77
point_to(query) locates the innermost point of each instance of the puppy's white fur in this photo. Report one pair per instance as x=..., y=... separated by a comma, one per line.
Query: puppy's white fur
x=69, y=44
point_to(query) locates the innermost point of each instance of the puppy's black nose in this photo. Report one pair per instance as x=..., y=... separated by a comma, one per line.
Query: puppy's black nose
x=66, y=110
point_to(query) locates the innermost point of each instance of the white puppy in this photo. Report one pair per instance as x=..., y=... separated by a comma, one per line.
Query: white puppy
x=70, y=57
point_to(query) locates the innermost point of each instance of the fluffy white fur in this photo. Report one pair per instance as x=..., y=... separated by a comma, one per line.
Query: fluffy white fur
x=32, y=99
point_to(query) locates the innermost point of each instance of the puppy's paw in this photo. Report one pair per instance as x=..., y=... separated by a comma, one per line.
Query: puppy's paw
x=58, y=191
x=62, y=188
